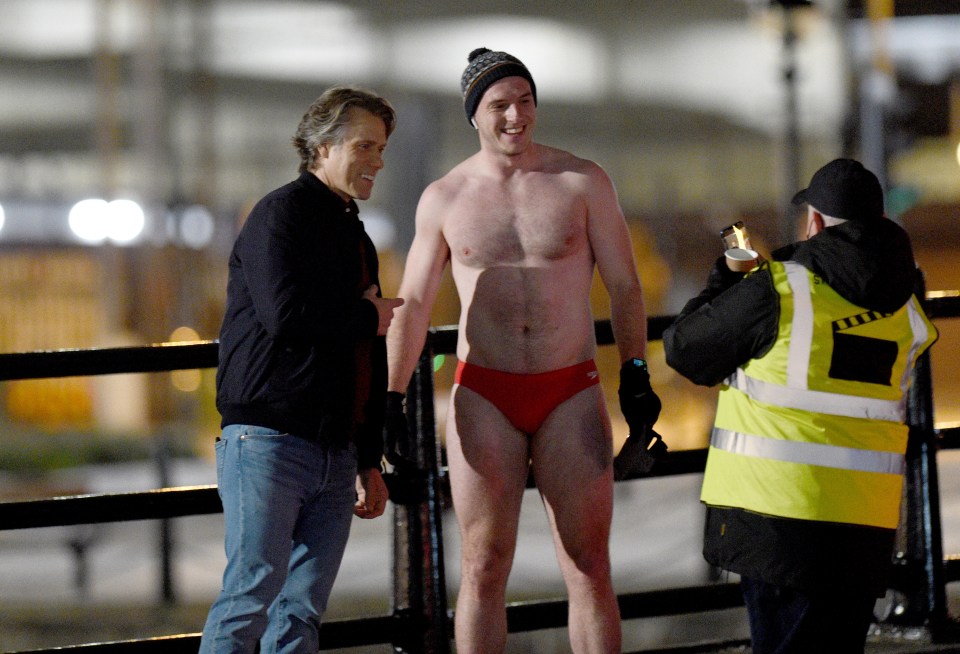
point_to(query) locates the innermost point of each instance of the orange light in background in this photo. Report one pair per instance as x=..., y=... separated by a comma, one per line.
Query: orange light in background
x=186, y=381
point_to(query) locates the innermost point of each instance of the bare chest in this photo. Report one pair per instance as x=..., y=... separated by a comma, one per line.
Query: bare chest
x=498, y=226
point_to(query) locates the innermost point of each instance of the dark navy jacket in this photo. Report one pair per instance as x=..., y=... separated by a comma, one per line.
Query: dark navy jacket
x=294, y=318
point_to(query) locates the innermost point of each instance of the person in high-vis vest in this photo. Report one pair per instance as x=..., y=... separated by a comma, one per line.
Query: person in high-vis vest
x=813, y=351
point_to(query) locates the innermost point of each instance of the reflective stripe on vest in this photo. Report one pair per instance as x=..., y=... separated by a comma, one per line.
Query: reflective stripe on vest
x=818, y=401
x=789, y=434
x=814, y=454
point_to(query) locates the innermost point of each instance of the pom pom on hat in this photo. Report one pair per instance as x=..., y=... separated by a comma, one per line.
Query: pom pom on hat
x=486, y=67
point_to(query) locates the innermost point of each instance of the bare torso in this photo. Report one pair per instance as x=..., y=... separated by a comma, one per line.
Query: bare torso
x=522, y=263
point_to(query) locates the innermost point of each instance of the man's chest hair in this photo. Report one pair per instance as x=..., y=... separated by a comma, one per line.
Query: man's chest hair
x=511, y=235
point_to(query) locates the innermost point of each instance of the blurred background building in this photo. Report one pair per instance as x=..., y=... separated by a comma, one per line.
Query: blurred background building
x=136, y=134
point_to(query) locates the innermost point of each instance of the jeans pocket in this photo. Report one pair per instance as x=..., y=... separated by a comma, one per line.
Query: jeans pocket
x=219, y=450
x=252, y=432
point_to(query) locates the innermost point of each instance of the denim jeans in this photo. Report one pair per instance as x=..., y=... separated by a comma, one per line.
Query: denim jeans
x=287, y=509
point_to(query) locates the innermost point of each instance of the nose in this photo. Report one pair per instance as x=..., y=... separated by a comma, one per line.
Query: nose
x=378, y=160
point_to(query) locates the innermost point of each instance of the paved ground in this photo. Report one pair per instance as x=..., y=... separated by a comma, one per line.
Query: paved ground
x=655, y=545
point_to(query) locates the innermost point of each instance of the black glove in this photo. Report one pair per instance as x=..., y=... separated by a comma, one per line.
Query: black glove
x=638, y=403
x=638, y=454
x=396, y=433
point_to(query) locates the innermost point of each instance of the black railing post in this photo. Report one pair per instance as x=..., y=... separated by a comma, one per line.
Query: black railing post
x=165, y=539
x=922, y=575
x=419, y=598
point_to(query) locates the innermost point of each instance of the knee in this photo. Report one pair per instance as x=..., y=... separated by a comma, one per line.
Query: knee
x=486, y=569
x=590, y=560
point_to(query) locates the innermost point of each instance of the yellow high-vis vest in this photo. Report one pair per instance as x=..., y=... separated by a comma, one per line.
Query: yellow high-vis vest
x=814, y=429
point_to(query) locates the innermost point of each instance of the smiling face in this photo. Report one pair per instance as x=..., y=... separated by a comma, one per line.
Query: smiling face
x=506, y=116
x=349, y=167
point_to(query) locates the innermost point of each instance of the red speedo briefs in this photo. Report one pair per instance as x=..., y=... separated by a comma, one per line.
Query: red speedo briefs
x=527, y=400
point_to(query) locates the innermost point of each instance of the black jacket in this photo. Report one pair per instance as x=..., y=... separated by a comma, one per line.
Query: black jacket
x=294, y=318
x=735, y=319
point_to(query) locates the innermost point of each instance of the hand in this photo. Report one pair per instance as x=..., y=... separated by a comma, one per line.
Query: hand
x=639, y=404
x=396, y=433
x=638, y=454
x=372, y=494
x=385, y=307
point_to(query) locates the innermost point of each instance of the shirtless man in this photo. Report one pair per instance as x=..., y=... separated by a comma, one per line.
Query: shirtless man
x=522, y=226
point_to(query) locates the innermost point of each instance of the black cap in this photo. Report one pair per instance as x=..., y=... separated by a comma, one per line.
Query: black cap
x=844, y=189
x=486, y=67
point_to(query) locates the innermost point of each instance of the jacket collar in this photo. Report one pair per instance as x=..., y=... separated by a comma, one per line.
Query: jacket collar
x=313, y=182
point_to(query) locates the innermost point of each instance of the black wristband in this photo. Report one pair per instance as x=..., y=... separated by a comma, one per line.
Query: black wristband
x=396, y=401
x=635, y=363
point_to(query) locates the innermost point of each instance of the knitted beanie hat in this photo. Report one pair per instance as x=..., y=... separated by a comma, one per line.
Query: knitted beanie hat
x=486, y=67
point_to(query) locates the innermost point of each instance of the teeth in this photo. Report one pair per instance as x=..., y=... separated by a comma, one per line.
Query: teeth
x=513, y=130
x=369, y=177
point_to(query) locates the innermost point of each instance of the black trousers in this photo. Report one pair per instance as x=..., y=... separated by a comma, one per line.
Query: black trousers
x=788, y=621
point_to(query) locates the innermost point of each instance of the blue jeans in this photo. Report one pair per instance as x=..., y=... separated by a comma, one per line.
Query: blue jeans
x=287, y=509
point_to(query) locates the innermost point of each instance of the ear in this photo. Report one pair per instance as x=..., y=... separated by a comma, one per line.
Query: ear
x=815, y=223
x=323, y=151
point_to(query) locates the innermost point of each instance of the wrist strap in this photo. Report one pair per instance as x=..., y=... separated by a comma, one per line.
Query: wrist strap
x=635, y=363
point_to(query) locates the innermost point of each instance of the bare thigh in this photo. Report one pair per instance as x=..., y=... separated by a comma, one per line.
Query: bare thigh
x=489, y=464
x=572, y=457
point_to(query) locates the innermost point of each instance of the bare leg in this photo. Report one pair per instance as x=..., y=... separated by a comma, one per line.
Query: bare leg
x=489, y=462
x=572, y=463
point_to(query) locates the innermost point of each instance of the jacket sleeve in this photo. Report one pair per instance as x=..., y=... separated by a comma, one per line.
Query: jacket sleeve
x=369, y=437
x=733, y=320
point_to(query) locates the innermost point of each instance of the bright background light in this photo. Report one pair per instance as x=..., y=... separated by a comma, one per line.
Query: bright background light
x=125, y=221
x=196, y=227
x=1, y=217
x=86, y=220
x=95, y=220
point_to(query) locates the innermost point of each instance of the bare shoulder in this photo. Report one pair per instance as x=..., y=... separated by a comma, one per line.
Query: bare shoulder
x=555, y=160
x=446, y=190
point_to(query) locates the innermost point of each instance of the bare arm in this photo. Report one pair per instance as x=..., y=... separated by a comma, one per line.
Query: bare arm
x=422, y=273
x=613, y=250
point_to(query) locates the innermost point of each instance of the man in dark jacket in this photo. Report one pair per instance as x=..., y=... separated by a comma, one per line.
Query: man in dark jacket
x=301, y=384
x=813, y=351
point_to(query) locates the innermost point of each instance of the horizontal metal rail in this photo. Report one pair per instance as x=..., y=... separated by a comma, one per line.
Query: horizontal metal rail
x=336, y=634
x=111, y=507
x=526, y=616
x=185, y=501
x=157, y=357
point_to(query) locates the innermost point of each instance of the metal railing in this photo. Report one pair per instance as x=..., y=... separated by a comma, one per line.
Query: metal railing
x=420, y=621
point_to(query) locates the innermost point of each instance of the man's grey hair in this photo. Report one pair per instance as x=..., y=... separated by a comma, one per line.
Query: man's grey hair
x=327, y=118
